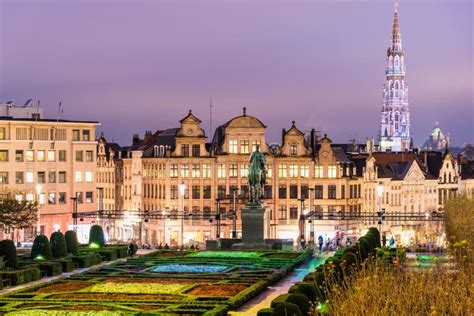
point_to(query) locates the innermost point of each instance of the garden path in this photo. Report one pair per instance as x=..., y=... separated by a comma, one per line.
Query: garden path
x=264, y=299
x=66, y=274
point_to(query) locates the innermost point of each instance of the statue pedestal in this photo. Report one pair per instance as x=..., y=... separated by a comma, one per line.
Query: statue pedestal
x=252, y=228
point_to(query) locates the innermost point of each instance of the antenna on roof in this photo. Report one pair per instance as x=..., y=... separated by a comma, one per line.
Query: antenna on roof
x=210, y=114
x=60, y=110
x=37, y=109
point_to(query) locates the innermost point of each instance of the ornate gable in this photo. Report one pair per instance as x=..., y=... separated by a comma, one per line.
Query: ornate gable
x=190, y=127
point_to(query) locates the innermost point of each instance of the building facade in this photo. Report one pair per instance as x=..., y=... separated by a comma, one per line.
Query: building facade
x=49, y=161
x=395, y=115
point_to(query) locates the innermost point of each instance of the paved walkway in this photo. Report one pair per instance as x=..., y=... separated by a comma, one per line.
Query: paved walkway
x=264, y=299
x=67, y=274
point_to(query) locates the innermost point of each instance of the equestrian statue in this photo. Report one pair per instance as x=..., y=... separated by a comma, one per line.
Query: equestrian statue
x=257, y=176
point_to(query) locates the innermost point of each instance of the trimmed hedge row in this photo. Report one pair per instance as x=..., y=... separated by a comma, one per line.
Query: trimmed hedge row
x=22, y=276
x=315, y=284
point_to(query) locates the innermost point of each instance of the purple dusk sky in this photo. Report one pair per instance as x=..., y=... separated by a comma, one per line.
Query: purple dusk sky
x=139, y=65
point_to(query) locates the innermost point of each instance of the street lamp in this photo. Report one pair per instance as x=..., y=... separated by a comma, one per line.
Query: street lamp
x=302, y=223
x=234, y=219
x=311, y=202
x=39, y=188
x=380, y=211
x=74, y=214
x=182, y=190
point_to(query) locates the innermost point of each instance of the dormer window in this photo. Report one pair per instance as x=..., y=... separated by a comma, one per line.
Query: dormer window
x=185, y=150
x=255, y=143
x=196, y=150
x=293, y=149
x=233, y=146
x=244, y=147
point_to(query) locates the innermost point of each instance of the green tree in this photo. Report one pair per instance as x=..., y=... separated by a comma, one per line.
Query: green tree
x=72, y=244
x=96, y=237
x=8, y=252
x=41, y=248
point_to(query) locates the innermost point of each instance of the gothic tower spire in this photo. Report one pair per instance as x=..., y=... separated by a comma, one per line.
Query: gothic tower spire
x=395, y=116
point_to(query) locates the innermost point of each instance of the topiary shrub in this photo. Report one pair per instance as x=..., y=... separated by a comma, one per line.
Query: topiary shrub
x=72, y=245
x=96, y=237
x=8, y=252
x=349, y=263
x=376, y=233
x=58, y=245
x=299, y=300
x=306, y=288
x=41, y=249
x=266, y=312
x=367, y=243
x=286, y=309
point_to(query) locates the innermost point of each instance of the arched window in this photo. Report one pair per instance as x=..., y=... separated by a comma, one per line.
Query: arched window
x=396, y=61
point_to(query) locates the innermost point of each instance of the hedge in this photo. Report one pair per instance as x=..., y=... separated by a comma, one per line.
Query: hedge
x=247, y=294
x=8, y=252
x=287, y=309
x=300, y=300
x=110, y=255
x=266, y=312
x=72, y=245
x=87, y=260
x=22, y=276
x=96, y=236
x=52, y=268
x=308, y=289
x=67, y=265
x=41, y=248
x=58, y=245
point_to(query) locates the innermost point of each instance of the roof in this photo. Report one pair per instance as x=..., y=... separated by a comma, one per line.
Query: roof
x=340, y=155
x=467, y=169
x=9, y=118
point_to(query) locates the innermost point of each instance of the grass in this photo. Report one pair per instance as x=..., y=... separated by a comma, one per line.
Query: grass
x=385, y=290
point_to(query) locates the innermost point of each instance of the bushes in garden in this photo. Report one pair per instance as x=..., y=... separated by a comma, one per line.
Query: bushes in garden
x=72, y=245
x=87, y=260
x=22, y=276
x=96, y=237
x=8, y=252
x=58, y=245
x=41, y=248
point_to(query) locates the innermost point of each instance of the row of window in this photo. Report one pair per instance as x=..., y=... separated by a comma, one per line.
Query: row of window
x=56, y=197
x=153, y=191
x=47, y=134
x=41, y=177
x=196, y=150
x=244, y=146
x=46, y=155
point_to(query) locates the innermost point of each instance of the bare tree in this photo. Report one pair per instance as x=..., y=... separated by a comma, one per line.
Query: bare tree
x=17, y=214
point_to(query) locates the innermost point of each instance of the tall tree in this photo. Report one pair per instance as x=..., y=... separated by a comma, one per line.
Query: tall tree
x=17, y=214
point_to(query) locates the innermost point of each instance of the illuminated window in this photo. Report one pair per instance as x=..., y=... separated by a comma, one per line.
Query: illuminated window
x=221, y=171
x=195, y=173
x=3, y=177
x=78, y=176
x=51, y=155
x=206, y=171
x=40, y=155
x=184, y=171
x=30, y=197
x=88, y=176
x=255, y=143
x=233, y=146
x=244, y=147
x=244, y=170
x=30, y=155
x=3, y=155
x=282, y=171
x=42, y=198
x=52, y=198
x=233, y=170
x=332, y=171
x=293, y=171
x=174, y=171
x=269, y=171
x=304, y=171
x=318, y=171
x=89, y=156
x=29, y=177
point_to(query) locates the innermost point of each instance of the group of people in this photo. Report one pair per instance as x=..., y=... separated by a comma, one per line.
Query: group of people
x=331, y=244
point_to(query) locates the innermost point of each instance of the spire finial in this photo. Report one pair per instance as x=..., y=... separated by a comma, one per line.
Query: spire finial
x=245, y=110
x=293, y=123
x=190, y=111
x=395, y=5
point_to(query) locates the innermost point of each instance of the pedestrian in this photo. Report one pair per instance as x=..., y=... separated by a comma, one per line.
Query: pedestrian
x=392, y=242
x=320, y=241
x=384, y=240
x=130, y=249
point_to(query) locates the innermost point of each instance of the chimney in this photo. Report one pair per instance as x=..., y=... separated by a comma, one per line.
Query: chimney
x=147, y=135
x=135, y=140
x=283, y=132
x=313, y=142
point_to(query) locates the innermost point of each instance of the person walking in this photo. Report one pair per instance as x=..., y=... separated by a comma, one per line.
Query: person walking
x=320, y=241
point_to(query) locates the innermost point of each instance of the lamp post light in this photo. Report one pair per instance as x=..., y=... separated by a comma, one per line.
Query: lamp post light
x=182, y=190
x=74, y=214
x=39, y=188
x=164, y=227
x=380, y=211
x=302, y=224
x=234, y=218
x=218, y=218
x=311, y=227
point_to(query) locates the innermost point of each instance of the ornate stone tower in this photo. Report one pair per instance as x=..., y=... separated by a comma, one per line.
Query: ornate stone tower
x=395, y=116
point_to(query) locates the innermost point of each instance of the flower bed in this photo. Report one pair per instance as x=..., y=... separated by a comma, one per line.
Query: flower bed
x=183, y=268
x=137, y=288
x=225, y=254
x=218, y=289
x=115, y=297
x=68, y=286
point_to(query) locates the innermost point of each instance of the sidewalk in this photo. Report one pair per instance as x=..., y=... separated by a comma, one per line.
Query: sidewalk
x=264, y=299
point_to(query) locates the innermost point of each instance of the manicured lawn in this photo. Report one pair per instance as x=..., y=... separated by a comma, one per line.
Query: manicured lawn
x=189, y=268
x=137, y=288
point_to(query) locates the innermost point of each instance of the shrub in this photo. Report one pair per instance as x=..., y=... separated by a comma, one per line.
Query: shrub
x=52, y=268
x=376, y=233
x=72, y=244
x=67, y=265
x=22, y=276
x=8, y=252
x=87, y=260
x=58, y=245
x=110, y=255
x=41, y=248
x=305, y=288
x=349, y=262
x=266, y=312
x=286, y=309
x=300, y=300
x=96, y=237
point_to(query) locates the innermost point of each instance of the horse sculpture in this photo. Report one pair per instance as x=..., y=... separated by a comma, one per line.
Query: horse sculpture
x=257, y=176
